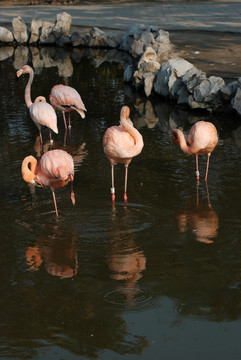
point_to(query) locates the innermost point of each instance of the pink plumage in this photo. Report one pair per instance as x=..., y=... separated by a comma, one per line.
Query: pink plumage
x=121, y=143
x=55, y=170
x=202, y=139
x=66, y=99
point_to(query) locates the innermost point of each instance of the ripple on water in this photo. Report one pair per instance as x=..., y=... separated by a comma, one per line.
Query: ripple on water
x=96, y=220
x=198, y=311
x=128, y=298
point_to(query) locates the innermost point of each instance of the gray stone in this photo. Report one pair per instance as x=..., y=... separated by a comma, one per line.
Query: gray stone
x=62, y=24
x=236, y=103
x=47, y=36
x=36, y=26
x=6, y=35
x=20, y=31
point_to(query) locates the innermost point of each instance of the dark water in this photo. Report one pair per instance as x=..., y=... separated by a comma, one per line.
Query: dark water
x=158, y=278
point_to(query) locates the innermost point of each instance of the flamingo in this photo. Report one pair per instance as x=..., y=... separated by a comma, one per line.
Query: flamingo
x=66, y=99
x=55, y=170
x=121, y=143
x=41, y=112
x=202, y=140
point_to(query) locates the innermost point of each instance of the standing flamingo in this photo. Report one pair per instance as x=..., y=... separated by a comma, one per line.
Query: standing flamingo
x=55, y=170
x=66, y=99
x=120, y=144
x=202, y=140
x=41, y=112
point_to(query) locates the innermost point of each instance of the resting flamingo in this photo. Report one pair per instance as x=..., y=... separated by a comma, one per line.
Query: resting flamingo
x=41, y=112
x=121, y=143
x=55, y=170
x=202, y=140
x=66, y=99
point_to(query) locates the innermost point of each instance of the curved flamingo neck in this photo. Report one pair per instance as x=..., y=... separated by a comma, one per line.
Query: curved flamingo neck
x=127, y=124
x=29, y=174
x=179, y=138
x=28, y=88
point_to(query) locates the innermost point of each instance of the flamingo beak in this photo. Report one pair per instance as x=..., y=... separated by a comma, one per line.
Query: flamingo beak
x=19, y=73
x=71, y=177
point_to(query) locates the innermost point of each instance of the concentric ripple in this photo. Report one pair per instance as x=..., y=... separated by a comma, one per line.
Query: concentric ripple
x=128, y=298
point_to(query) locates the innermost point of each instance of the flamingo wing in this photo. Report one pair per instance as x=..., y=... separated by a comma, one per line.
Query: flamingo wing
x=43, y=114
x=66, y=98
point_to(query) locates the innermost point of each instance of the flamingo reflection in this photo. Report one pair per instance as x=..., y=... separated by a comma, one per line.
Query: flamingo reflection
x=126, y=261
x=201, y=218
x=59, y=257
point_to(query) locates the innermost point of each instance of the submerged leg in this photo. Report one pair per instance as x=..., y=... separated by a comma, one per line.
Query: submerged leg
x=125, y=191
x=112, y=183
x=197, y=171
x=55, y=204
x=206, y=176
x=72, y=193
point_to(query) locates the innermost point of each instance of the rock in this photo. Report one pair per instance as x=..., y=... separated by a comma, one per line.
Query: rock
x=47, y=36
x=236, y=102
x=128, y=73
x=169, y=77
x=208, y=89
x=62, y=25
x=6, y=35
x=229, y=90
x=20, y=31
x=77, y=39
x=36, y=26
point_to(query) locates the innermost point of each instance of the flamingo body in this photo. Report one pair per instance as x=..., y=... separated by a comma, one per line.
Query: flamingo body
x=40, y=111
x=121, y=143
x=202, y=140
x=66, y=99
x=55, y=170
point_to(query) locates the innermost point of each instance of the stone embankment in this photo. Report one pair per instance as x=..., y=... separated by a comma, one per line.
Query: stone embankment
x=151, y=66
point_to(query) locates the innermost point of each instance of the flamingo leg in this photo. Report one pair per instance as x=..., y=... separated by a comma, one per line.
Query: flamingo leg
x=112, y=183
x=63, y=112
x=69, y=120
x=197, y=171
x=55, y=204
x=125, y=191
x=206, y=176
x=50, y=138
x=40, y=135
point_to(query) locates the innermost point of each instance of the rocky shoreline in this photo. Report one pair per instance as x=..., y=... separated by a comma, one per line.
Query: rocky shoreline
x=150, y=65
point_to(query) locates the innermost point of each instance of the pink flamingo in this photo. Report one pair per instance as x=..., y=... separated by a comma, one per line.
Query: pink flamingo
x=55, y=170
x=121, y=143
x=202, y=140
x=41, y=112
x=66, y=99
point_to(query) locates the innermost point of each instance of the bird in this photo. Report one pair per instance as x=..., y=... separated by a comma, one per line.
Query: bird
x=66, y=99
x=202, y=139
x=55, y=170
x=40, y=111
x=120, y=144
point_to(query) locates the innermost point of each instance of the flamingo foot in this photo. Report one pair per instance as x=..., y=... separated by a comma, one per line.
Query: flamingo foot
x=197, y=175
x=112, y=190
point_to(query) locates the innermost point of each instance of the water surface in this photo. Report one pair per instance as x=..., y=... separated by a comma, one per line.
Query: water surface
x=156, y=278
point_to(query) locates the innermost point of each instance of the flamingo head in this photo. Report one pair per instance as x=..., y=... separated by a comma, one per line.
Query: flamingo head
x=24, y=70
